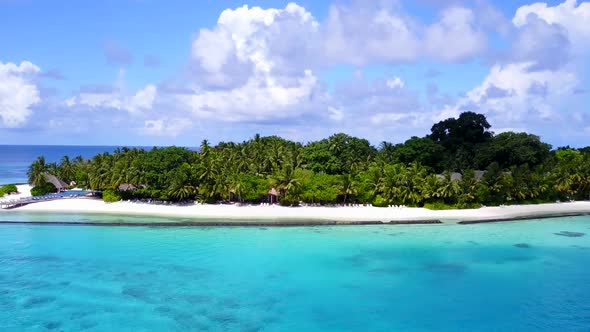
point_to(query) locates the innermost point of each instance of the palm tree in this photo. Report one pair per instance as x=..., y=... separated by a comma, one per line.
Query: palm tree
x=37, y=170
x=430, y=188
x=66, y=169
x=450, y=189
x=348, y=186
x=182, y=191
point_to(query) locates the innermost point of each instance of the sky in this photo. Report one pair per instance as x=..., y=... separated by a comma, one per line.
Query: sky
x=147, y=72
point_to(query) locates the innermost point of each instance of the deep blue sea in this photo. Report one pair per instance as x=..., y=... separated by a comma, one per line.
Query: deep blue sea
x=16, y=159
x=513, y=276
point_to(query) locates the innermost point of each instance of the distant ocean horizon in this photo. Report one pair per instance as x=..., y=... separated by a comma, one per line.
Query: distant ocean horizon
x=16, y=159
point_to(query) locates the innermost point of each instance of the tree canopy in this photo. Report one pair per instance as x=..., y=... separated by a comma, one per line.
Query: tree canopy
x=493, y=169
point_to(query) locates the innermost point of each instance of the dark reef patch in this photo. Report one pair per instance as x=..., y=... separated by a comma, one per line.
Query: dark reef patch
x=52, y=325
x=37, y=301
x=396, y=234
x=136, y=293
x=522, y=245
x=570, y=234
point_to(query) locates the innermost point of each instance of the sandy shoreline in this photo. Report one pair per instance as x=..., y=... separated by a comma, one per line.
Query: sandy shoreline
x=302, y=215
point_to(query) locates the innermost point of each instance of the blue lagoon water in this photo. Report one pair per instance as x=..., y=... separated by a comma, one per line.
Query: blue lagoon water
x=516, y=276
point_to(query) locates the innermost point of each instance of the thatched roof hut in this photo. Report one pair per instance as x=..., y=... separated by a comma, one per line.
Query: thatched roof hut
x=456, y=176
x=479, y=175
x=127, y=187
x=273, y=196
x=54, y=180
x=130, y=187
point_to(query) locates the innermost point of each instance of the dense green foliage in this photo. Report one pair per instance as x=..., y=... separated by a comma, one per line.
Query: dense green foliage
x=43, y=189
x=110, y=196
x=341, y=169
x=8, y=189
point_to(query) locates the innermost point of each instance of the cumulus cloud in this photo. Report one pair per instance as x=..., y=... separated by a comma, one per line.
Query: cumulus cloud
x=381, y=32
x=455, y=36
x=18, y=92
x=246, y=68
x=165, y=127
x=573, y=17
x=110, y=97
x=530, y=87
x=368, y=32
x=513, y=94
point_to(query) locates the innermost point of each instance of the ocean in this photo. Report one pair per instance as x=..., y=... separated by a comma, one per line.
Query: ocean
x=513, y=276
x=16, y=159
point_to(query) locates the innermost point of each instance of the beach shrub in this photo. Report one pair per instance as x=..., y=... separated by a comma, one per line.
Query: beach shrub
x=440, y=205
x=110, y=196
x=43, y=189
x=464, y=206
x=288, y=200
x=379, y=201
x=8, y=189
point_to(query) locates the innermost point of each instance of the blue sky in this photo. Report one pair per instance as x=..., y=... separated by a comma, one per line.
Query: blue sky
x=145, y=72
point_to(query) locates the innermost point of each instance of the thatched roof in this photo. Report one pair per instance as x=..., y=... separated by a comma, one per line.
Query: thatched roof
x=130, y=187
x=273, y=192
x=59, y=184
x=458, y=176
x=479, y=175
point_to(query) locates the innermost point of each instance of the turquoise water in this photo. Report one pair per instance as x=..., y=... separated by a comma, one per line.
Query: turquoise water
x=517, y=276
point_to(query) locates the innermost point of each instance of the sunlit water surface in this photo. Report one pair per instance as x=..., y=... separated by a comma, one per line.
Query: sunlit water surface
x=516, y=276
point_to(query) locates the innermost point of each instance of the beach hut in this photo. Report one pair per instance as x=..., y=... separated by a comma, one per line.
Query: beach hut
x=479, y=175
x=127, y=187
x=273, y=196
x=130, y=187
x=54, y=180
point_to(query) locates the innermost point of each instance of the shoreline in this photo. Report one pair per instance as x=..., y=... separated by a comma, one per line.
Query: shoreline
x=231, y=215
x=275, y=215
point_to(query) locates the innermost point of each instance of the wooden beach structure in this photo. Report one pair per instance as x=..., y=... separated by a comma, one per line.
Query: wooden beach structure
x=15, y=203
x=56, y=182
x=273, y=196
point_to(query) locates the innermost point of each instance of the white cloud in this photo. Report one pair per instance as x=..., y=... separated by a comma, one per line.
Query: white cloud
x=363, y=34
x=335, y=114
x=250, y=56
x=531, y=88
x=575, y=18
x=143, y=99
x=455, y=36
x=519, y=103
x=165, y=127
x=17, y=92
x=260, y=98
x=395, y=82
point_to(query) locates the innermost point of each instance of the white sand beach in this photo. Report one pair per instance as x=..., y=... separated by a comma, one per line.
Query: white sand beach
x=24, y=190
x=275, y=212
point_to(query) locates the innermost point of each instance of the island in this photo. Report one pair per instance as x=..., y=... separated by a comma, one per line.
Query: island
x=460, y=171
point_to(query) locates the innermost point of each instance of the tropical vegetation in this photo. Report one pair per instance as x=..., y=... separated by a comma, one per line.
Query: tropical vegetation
x=460, y=164
x=8, y=189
